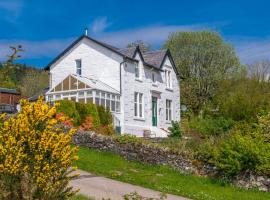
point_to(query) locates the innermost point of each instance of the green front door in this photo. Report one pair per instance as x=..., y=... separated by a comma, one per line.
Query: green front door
x=154, y=111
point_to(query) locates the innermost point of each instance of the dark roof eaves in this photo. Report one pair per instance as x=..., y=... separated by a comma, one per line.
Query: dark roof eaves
x=78, y=40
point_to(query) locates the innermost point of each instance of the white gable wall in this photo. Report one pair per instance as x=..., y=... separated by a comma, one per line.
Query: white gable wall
x=131, y=85
x=97, y=61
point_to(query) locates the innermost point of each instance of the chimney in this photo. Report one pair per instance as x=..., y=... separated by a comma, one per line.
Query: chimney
x=86, y=31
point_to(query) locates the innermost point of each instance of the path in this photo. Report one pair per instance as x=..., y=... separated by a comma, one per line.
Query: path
x=100, y=187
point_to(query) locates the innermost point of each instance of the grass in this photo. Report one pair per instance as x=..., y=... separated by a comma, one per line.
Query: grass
x=161, y=178
x=81, y=197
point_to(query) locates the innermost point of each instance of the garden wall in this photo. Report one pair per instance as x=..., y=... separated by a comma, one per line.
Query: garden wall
x=135, y=150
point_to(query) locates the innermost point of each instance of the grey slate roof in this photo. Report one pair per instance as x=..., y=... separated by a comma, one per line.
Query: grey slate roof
x=153, y=59
x=9, y=91
x=42, y=93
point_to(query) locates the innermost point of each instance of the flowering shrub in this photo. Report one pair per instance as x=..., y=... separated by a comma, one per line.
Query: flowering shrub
x=64, y=119
x=87, y=124
x=35, y=156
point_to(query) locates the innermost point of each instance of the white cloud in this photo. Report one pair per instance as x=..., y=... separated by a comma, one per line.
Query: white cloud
x=99, y=25
x=154, y=35
x=252, y=49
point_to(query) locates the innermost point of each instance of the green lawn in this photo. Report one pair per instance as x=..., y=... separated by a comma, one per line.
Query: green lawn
x=81, y=197
x=161, y=178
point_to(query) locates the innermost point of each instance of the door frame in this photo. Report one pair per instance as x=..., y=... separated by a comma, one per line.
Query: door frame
x=156, y=109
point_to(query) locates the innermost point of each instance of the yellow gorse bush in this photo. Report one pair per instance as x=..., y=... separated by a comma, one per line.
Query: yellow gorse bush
x=35, y=154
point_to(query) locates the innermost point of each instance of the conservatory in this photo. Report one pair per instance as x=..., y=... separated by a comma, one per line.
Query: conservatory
x=85, y=90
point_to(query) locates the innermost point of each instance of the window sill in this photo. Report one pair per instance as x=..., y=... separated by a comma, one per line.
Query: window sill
x=138, y=79
x=154, y=84
x=139, y=119
x=169, y=89
x=168, y=122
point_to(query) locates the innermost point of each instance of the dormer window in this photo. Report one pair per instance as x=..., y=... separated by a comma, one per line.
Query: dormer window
x=78, y=66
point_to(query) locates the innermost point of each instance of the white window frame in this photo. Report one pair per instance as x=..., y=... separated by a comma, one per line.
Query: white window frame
x=168, y=79
x=78, y=68
x=138, y=105
x=169, y=110
x=137, y=71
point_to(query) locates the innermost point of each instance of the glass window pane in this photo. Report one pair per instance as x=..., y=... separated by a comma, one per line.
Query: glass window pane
x=73, y=83
x=66, y=83
x=89, y=93
x=78, y=67
x=108, y=103
x=81, y=94
x=117, y=106
x=97, y=100
x=58, y=87
x=113, y=106
x=81, y=100
x=108, y=96
x=103, y=102
x=89, y=100
x=141, y=110
x=81, y=85
x=102, y=95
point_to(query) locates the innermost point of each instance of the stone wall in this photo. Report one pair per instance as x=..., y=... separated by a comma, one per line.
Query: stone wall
x=135, y=152
x=154, y=154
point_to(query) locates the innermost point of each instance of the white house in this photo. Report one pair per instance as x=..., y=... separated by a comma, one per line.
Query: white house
x=141, y=89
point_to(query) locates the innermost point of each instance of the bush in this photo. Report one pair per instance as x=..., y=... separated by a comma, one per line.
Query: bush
x=35, y=156
x=211, y=126
x=240, y=152
x=82, y=111
x=69, y=108
x=104, y=116
x=175, y=130
x=93, y=112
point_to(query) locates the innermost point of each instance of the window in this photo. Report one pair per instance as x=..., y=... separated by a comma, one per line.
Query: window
x=138, y=104
x=168, y=79
x=97, y=98
x=78, y=66
x=168, y=110
x=153, y=78
x=137, y=71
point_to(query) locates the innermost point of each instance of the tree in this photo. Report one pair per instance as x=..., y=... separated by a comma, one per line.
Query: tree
x=33, y=81
x=203, y=60
x=259, y=70
x=144, y=47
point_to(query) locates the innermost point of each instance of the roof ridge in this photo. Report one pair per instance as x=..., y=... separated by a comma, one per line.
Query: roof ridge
x=155, y=51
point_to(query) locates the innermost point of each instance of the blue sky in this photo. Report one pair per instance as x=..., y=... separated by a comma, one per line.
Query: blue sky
x=46, y=27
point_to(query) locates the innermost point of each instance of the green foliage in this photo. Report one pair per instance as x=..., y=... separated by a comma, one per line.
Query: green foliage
x=93, y=112
x=243, y=99
x=211, y=126
x=104, y=115
x=175, y=130
x=240, y=152
x=203, y=60
x=69, y=108
x=28, y=80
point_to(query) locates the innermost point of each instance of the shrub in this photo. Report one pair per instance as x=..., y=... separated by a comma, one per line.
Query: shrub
x=239, y=153
x=69, y=108
x=35, y=156
x=87, y=124
x=175, y=130
x=211, y=126
x=104, y=116
x=106, y=130
x=93, y=112
x=82, y=111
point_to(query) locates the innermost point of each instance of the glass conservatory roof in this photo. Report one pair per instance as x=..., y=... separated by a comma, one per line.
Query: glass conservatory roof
x=75, y=82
